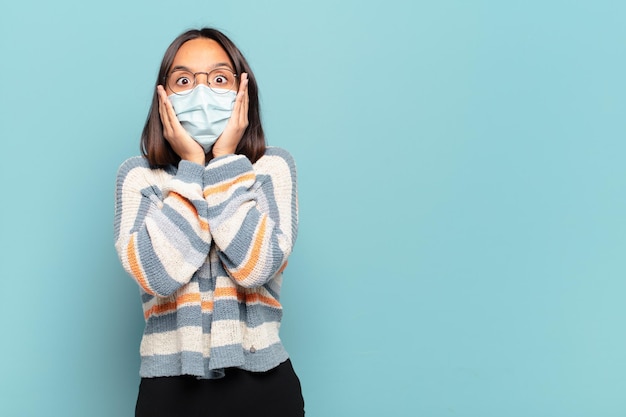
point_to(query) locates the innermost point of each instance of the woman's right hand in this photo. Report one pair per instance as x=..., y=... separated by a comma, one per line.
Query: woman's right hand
x=175, y=133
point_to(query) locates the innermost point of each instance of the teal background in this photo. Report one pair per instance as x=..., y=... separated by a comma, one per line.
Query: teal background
x=461, y=176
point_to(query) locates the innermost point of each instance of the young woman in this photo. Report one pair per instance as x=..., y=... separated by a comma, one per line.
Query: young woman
x=204, y=222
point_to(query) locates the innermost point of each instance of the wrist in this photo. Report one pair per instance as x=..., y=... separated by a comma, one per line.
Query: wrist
x=196, y=159
x=217, y=152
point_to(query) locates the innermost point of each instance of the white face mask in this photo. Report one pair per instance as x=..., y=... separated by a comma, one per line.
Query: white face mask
x=204, y=113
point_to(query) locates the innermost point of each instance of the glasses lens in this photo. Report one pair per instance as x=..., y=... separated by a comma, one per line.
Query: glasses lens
x=181, y=82
x=222, y=80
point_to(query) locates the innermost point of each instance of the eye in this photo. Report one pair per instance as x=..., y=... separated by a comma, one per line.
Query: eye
x=180, y=79
x=220, y=79
x=183, y=81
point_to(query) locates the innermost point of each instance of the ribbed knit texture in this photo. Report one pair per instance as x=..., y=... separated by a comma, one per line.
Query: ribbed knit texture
x=207, y=246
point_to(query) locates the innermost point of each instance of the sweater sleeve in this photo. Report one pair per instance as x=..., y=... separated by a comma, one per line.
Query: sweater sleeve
x=161, y=230
x=252, y=214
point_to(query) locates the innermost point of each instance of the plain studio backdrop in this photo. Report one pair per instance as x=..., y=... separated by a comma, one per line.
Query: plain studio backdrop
x=462, y=200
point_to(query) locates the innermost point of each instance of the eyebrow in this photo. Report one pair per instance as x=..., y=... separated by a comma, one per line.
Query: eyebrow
x=216, y=66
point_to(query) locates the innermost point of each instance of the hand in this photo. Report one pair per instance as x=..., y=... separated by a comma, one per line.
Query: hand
x=175, y=133
x=237, y=124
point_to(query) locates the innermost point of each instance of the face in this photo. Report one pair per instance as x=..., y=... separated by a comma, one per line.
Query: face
x=201, y=61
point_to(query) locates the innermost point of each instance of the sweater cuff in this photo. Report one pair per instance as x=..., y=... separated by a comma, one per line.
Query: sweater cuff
x=226, y=168
x=190, y=172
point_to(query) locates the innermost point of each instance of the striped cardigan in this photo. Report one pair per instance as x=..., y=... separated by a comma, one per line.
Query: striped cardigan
x=207, y=246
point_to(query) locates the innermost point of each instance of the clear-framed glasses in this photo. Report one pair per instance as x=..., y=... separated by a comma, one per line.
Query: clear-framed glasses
x=220, y=80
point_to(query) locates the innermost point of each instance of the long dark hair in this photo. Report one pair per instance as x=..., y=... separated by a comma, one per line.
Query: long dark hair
x=157, y=149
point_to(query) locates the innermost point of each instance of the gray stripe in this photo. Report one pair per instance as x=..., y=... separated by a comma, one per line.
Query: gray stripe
x=260, y=361
x=182, y=317
x=183, y=363
x=253, y=315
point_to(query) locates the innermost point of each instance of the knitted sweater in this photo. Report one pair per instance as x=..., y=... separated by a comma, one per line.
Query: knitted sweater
x=207, y=246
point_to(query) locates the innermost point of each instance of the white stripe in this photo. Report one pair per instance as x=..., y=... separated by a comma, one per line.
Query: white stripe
x=184, y=339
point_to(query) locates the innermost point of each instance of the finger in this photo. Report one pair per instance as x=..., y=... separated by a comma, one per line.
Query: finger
x=246, y=102
x=170, y=122
x=244, y=82
x=243, y=100
x=167, y=106
x=163, y=113
x=238, y=99
x=162, y=98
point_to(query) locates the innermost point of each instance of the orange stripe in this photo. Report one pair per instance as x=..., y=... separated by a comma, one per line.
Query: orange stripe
x=185, y=201
x=225, y=292
x=204, y=225
x=207, y=305
x=255, y=297
x=135, y=268
x=193, y=297
x=223, y=187
x=246, y=270
x=173, y=305
x=282, y=268
x=160, y=309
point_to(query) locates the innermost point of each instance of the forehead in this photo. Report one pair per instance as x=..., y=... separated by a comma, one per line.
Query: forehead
x=201, y=54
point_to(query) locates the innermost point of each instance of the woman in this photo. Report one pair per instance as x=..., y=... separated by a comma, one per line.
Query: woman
x=204, y=222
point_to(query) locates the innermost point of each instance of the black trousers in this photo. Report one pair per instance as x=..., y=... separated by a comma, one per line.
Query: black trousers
x=275, y=393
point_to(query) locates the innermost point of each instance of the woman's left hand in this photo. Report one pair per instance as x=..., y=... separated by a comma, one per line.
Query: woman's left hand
x=237, y=124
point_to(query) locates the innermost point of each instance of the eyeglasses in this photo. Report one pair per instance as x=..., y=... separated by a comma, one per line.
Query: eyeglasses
x=220, y=80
